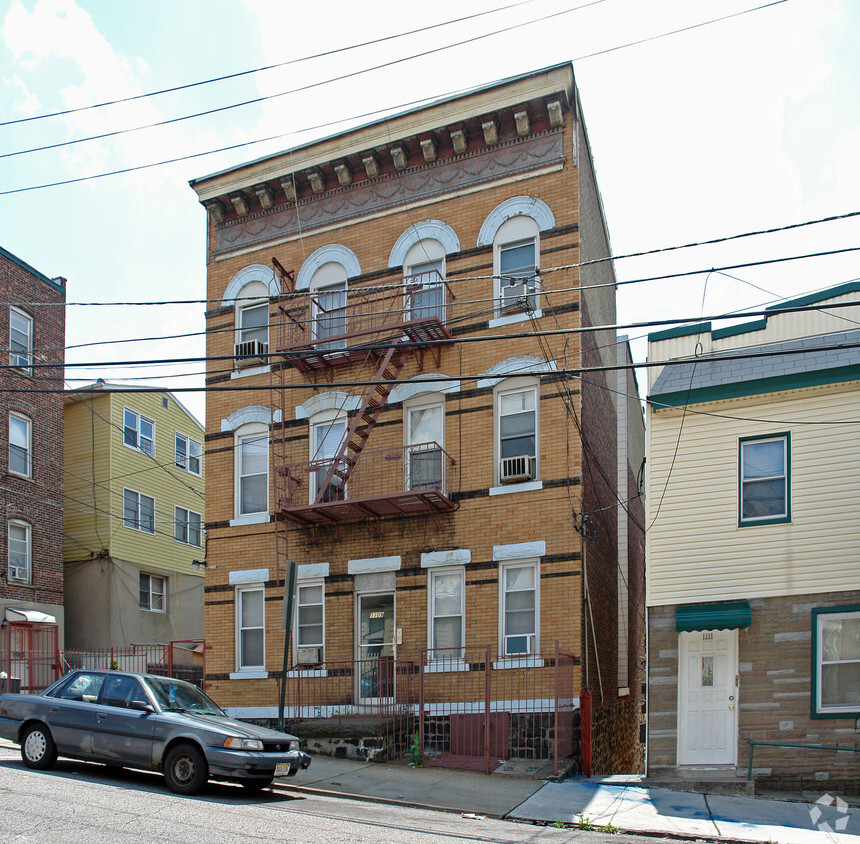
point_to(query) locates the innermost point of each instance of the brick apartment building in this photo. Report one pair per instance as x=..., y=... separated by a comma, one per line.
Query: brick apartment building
x=33, y=323
x=398, y=311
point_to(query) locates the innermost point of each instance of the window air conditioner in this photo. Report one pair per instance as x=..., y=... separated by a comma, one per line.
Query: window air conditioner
x=309, y=656
x=515, y=469
x=518, y=297
x=17, y=573
x=251, y=353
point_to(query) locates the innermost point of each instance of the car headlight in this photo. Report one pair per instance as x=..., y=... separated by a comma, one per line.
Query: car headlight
x=294, y=745
x=236, y=743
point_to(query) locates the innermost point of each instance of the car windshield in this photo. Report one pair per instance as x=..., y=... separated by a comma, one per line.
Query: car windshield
x=178, y=696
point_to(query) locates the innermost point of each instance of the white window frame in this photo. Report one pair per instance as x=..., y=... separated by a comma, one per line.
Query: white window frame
x=186, y=462
x=514, y=232
x=252, y=430
x=331, y=277
x=137, y=523
x=152, y=593
x=28, y=425
x=508, y=387
x=22, y=361
x=456, y=657
x=426, y=255
x=138, y=436
x=257, y=669
x=819, y=708
x=297, y=644
x=183, y=526
x=28, y=532
x=324, y=419
x=533, y=656
x=422, y=402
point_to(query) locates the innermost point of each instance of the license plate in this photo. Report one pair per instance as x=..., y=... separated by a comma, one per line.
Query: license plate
x=282, y=769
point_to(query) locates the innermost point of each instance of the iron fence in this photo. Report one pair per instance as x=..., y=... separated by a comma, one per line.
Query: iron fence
x=455, y=707
x=32, y=660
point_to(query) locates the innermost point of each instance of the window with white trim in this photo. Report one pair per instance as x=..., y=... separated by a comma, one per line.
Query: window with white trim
x=153, y=592
x=20, y=445
x=519, y=609
x=764, y=479
x=187, y=526
x=326, y=439
x=252, y=469
x=250, y=628
x=424, y=426
x=836, y=653
x=328, y=288
x=517, y=428
x=447, y=612
x=138, y=511
x=424, y=277
x=252, y=325
x=20, y=340
x=188, y=454
x=20, y=551
x=516, y=251
x=138, y=431
x=310, y=622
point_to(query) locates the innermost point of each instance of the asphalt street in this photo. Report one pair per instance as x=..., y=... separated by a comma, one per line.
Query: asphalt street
x=92, y=804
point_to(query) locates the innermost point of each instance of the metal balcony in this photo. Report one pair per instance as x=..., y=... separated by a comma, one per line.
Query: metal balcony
x=383, y=482
x=335, y=326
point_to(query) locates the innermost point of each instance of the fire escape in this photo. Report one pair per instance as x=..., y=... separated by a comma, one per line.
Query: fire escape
x=379, y=331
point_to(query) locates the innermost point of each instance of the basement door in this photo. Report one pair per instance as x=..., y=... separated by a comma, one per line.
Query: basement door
x=376, y=648
x=707, y=697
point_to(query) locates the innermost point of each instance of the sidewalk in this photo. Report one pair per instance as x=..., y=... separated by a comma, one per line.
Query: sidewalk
x=631, y=807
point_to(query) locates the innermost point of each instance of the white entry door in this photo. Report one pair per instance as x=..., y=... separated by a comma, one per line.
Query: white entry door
x=707, y=697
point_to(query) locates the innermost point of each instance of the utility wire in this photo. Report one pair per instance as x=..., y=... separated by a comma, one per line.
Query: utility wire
x=388, y=64
x=310, y=86
x=242, y=73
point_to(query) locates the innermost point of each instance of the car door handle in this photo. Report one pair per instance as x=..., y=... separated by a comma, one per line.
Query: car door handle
x=54, y=708
x=101, y=715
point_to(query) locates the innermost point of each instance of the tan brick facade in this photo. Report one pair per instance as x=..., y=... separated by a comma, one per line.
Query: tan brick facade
x=488, y=521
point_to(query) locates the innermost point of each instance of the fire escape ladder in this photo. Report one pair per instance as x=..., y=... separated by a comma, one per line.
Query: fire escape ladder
x=375, y=397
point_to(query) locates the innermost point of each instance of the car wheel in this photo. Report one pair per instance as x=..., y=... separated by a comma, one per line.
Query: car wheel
x=256, y=786
x=185, y=769
x=37, y=748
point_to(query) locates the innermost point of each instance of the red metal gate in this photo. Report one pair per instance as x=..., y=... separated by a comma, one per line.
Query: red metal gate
x=29, y=654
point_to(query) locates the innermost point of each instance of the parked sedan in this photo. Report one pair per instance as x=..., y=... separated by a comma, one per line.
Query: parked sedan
x=148, y=722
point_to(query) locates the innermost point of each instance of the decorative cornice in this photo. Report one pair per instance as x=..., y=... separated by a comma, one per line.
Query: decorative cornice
x=509, y=157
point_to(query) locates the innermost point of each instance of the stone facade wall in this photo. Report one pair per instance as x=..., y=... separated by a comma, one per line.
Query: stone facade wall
x=774, y=695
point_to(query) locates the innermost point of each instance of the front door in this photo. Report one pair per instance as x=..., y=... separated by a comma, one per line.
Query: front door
x=707, y=697
x=376, y=648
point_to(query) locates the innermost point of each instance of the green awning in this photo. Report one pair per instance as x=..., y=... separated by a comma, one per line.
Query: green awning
x=732, y=615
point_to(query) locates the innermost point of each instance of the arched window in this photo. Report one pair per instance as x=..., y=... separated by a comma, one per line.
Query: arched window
x=251, y=454
x=421, y=251
x=248, y=293
x=327, y=433
x=516, y=403
x=513, y=228
x=328, y=305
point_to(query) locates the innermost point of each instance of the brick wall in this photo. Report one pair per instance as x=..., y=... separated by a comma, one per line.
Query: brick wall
x=37, y=500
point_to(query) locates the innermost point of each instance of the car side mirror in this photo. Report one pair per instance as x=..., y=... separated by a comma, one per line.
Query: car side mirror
x=141, y=706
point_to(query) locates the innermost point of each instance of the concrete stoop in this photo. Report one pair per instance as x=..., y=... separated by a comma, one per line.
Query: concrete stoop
x=701, y=780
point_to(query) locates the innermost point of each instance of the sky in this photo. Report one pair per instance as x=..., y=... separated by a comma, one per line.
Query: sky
x=747, y=123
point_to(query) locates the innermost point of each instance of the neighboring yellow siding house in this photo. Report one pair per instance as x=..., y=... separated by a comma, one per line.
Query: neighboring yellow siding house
x=753, y=587
x=134, y=518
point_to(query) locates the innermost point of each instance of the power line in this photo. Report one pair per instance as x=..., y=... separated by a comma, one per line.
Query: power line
x=309, y=86
x=264, y=68
x=346, y=76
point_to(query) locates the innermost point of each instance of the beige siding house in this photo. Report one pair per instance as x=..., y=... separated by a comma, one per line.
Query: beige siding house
x=134, y=540
x=753, y=591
